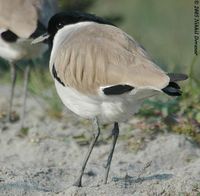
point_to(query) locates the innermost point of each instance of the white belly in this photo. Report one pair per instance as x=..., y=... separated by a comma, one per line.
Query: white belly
x=21, y=49
x=106, y=108
x=8, y=52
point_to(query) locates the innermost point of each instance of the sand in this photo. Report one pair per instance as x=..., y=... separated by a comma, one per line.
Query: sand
x=46, y=161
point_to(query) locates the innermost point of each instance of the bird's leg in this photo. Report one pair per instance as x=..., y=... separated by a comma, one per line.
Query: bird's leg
x=115, y=133
x=78, y=182
x=13, y=82
x=26, y=78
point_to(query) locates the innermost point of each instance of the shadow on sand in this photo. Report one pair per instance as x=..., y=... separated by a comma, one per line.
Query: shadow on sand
x=129, y=180
x=22, y=186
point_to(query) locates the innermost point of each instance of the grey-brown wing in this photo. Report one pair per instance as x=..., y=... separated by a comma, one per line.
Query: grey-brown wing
x=19, y=16
x=101, y=55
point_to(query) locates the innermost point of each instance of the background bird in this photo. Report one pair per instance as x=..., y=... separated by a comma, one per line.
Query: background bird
x=20, y=22
x=102, y=73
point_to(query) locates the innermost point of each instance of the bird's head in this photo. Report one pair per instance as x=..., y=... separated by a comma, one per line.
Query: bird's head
x=59, y=20
x=56, y=23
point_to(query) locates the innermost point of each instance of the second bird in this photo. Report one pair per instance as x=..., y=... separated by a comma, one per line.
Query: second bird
x=20, y=22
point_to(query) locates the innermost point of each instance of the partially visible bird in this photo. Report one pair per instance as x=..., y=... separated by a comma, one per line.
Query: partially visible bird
x=20, y=22
x=102, y=73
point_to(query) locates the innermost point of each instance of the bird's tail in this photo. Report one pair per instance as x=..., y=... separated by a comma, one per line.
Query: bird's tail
x=173, y=89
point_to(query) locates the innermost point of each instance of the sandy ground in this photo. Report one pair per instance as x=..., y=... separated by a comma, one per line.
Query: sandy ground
x=47, y=160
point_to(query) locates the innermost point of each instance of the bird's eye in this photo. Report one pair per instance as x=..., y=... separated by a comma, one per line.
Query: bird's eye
x=59, y=25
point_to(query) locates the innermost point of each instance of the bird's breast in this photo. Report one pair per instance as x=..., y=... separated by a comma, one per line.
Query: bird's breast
x=107, y=109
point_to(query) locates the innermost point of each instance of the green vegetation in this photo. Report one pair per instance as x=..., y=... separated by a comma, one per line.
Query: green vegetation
x=45, y=88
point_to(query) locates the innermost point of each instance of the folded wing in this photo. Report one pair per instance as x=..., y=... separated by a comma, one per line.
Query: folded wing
x=96, y=55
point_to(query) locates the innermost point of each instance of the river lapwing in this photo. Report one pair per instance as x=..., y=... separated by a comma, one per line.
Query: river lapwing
x=102, y=73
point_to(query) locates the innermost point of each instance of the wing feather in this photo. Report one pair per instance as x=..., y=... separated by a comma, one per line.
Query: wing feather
x=97, y=55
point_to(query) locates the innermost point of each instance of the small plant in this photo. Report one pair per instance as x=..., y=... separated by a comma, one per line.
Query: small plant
x=23, y=132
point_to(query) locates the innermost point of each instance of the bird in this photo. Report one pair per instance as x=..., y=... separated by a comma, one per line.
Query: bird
x=102, y=73
x=28, y=20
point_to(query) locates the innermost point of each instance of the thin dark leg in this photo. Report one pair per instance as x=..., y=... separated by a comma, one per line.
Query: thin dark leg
x=115, y=133
x=26, y=78
x=13, y=82
x=78, y=182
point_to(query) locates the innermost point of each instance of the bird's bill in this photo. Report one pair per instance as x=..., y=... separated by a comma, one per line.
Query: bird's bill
x=41, y=38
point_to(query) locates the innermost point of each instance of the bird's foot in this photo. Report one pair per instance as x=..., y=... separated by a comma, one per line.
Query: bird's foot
x=78, y=183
